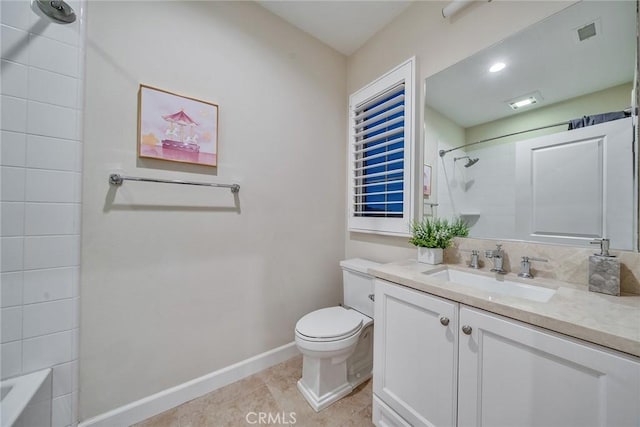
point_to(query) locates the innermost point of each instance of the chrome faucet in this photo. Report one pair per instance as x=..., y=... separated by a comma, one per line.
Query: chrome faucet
x=497, y=257
x=474, y=259
x=475, y=255
x=525, y=266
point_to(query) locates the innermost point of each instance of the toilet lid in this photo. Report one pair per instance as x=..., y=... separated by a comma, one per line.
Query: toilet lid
x=331, y=323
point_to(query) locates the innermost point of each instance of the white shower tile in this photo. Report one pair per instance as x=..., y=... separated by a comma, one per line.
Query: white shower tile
x=13, y=184
x=51, y=218
x=51, y=252
x=75, y=282
x=14, y=113
x=11, y=288
x=12, y=253
x=16, y=13
x=75, y=384
x=61, y=411
x=79, y=127
x=12, y=219
x=52, y=120
x=52, y=153
x=11, y=358
x=75, y=313
x=53, y=55
x=74, y=409
x=14, y=148
x=45, y=351
x=49, y=284
x=14, y=44
x=75, y=344
x=52, y=186
x=13, y=79
x=52, y=88
x=67, y=33
x=47, y=318
x=11, y=324
x=62, y=379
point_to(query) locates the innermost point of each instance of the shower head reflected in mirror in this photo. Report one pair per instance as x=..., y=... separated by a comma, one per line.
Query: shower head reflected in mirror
x=470, y=161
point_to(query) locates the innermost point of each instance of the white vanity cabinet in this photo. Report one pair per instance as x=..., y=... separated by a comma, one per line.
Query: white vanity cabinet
x=486, y=370
x=514, y=374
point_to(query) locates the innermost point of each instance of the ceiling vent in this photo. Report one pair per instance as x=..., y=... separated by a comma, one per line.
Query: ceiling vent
x=587, y=31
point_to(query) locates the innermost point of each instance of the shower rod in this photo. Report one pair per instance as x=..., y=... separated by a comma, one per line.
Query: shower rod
x=565, y=123
x=443, y=152
x=117, y=179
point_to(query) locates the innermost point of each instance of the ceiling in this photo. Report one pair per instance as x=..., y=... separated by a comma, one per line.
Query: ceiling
x=546, y=59
x=343, y=25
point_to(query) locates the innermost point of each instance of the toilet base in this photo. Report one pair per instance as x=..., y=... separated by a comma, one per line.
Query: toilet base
x=325, y=380
x=319, y=403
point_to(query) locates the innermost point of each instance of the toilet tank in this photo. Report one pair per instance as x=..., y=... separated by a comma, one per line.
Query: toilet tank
x=357, y=284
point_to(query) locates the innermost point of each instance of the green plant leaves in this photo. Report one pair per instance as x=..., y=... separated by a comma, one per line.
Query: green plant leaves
x=437, y=232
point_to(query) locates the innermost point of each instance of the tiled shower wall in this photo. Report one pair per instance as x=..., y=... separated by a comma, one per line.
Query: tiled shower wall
x=41, y=85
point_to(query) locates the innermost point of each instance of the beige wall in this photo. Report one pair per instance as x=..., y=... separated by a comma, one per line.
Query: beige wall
x=180, y=281
x=437, y=43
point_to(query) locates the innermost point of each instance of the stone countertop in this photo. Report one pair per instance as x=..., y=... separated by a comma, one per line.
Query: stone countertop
x=606, y=320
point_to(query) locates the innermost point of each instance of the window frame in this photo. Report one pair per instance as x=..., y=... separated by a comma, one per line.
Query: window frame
x=403, y=73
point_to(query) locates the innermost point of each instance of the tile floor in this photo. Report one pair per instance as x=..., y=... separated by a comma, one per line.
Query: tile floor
x=271, y=391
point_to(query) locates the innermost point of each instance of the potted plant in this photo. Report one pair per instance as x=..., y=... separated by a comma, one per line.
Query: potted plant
x=433, y=235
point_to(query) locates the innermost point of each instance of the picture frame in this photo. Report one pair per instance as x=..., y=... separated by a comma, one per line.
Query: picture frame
x=426, y=180
x=177, y=128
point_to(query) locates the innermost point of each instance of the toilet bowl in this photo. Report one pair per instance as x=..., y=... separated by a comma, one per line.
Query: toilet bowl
x=337, y=342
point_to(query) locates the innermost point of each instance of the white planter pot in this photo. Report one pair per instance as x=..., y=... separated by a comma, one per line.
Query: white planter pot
x=430, y=255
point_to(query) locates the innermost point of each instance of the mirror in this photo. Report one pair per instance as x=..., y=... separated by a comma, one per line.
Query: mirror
x=513, y=170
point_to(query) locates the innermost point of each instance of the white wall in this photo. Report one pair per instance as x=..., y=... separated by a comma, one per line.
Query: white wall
x=42, y=72
x=180, y=281
x=437, y=43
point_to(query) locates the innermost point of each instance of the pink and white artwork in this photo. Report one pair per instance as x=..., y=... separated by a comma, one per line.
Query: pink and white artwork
x=177, y=128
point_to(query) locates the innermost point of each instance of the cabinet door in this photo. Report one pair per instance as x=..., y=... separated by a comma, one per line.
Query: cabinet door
x=513, y=374
x=415, y=354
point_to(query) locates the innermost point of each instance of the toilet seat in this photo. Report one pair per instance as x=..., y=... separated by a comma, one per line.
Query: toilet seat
x=330, y=324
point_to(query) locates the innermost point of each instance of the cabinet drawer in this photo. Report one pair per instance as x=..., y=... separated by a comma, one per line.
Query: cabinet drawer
x=383, y=416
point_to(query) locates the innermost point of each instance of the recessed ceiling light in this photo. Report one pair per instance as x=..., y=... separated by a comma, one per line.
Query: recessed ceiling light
x=497, y=67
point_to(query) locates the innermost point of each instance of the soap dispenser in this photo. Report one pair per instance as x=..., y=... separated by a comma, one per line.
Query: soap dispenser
x=604, y=270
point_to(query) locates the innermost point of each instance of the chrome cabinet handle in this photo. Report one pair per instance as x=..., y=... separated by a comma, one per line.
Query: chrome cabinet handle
x=372, y=297
x=444, y=321
x=467, y=329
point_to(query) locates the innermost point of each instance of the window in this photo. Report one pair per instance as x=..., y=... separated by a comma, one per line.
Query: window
x=381, y=146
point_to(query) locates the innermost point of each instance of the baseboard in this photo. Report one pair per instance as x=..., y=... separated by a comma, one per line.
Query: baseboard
x=170, y=398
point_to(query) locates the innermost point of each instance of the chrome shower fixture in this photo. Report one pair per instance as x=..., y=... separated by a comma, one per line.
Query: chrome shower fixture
x=57, y=10
x=470, y=161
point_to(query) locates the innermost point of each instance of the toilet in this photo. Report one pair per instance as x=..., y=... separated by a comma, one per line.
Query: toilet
x=337, y=342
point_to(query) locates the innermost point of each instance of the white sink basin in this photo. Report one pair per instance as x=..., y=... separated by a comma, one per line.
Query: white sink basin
x=491, y=284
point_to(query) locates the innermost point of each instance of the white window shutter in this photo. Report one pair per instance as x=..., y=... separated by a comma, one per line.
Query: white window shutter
x=381, y=154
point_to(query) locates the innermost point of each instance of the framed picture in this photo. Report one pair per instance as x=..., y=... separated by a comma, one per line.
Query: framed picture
x=176, y=128
x=426, y=180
